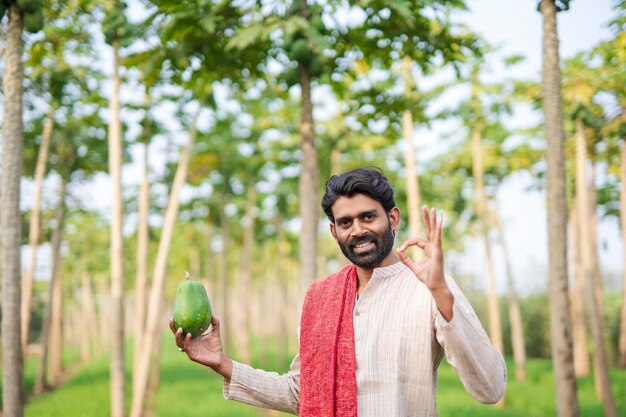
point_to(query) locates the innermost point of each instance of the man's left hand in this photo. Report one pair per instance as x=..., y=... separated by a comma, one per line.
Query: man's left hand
x=430, y=268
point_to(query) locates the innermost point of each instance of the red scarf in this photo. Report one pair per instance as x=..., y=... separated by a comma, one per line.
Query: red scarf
x=327, y=353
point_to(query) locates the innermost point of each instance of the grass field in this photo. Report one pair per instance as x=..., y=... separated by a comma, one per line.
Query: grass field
x=188, y=390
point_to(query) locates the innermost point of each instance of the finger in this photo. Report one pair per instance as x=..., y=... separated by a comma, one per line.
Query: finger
x=409, y=262
x=426, y=221
x=172, y=328
x=439, y=228
x=215, y=324
x=186, y=343
x=433, y=224
x=179, y=337
x=420, y=243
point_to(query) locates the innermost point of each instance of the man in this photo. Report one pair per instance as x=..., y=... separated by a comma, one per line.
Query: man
x=372, y=335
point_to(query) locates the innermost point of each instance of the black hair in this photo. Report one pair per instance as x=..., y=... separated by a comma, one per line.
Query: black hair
x=369, y=181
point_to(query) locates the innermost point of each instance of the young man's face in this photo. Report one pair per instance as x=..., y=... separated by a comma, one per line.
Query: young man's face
x=364, y=232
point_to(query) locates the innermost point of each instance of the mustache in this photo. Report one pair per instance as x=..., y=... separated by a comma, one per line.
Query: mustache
x=362, y=239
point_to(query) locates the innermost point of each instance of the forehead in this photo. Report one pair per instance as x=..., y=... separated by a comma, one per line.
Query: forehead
x=353, y=206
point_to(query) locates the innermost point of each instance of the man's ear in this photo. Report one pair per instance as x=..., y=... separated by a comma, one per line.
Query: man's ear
x=394, y=218
x=333, y=231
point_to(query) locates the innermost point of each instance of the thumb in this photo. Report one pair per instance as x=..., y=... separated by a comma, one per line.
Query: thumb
x=215, y=324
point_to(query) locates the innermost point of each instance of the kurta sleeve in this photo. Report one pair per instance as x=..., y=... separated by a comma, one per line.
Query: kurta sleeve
x=265, y=389
x=467, y=347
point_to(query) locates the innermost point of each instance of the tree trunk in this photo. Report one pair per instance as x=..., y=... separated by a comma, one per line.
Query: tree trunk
x=10, y=217
x=104, y=317
x=141, y=277
x=151, y=333
x=88, y=319
x=602, y=378
x=495, y=326
x=43, y=375
x=308, y=183
x=55, y=363
x=335, y=160
x=225, y=320
x=246, y=272
x=155, y=365
x=577, y=301
x=412, y=180
x=209, y=260
x=560, y=325
x=118, y=382
x=194, y=254
x=515, y=314
x=35, y=226
x=622, y=216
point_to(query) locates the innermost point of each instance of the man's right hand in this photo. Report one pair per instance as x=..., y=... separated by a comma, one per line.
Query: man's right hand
x=205, y=349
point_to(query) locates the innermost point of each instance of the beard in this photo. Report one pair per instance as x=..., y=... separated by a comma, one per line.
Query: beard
x=383, y=244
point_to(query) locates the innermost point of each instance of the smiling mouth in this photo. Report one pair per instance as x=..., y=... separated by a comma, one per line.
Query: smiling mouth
x=363, y=247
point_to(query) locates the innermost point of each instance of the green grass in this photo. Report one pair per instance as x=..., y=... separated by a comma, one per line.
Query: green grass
x=532, y=398
x=85, y=394
x=188, y=389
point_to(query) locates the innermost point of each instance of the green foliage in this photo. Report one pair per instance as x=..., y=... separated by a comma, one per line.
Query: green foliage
x=561, y=5
x=115, y=24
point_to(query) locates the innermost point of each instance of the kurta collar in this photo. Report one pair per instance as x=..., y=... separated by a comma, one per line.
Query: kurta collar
x=388, y=271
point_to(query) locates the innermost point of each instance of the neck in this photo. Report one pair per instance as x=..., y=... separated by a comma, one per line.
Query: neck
x=365, y=274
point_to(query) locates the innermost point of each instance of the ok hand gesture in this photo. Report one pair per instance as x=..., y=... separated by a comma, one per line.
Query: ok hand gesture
x=429, y=269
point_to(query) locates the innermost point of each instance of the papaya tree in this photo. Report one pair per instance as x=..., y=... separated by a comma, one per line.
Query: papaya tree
x=612, y=61
x=149, y=129
x=488, y=156
x=23, y=14
x=578, y=78
x=152, y=332
x=76, y=155
x=194, y=60
x=480, y=117
x=315, y=49
x=425, y=40
x=53, y=78
x=560, y=324
x=10, y=218
x=118, y=33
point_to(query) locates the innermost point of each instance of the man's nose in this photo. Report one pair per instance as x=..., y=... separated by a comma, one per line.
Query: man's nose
x=358, y=229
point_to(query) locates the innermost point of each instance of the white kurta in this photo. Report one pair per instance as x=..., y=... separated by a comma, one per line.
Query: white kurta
x=400, y=339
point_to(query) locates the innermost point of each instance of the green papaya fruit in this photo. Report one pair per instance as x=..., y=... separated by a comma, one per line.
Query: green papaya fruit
x=33, y=22
x=317, y=23
x=28, y=6
x=300, y=51
x=292, y=77
x=316, y=67
x=192, y=308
